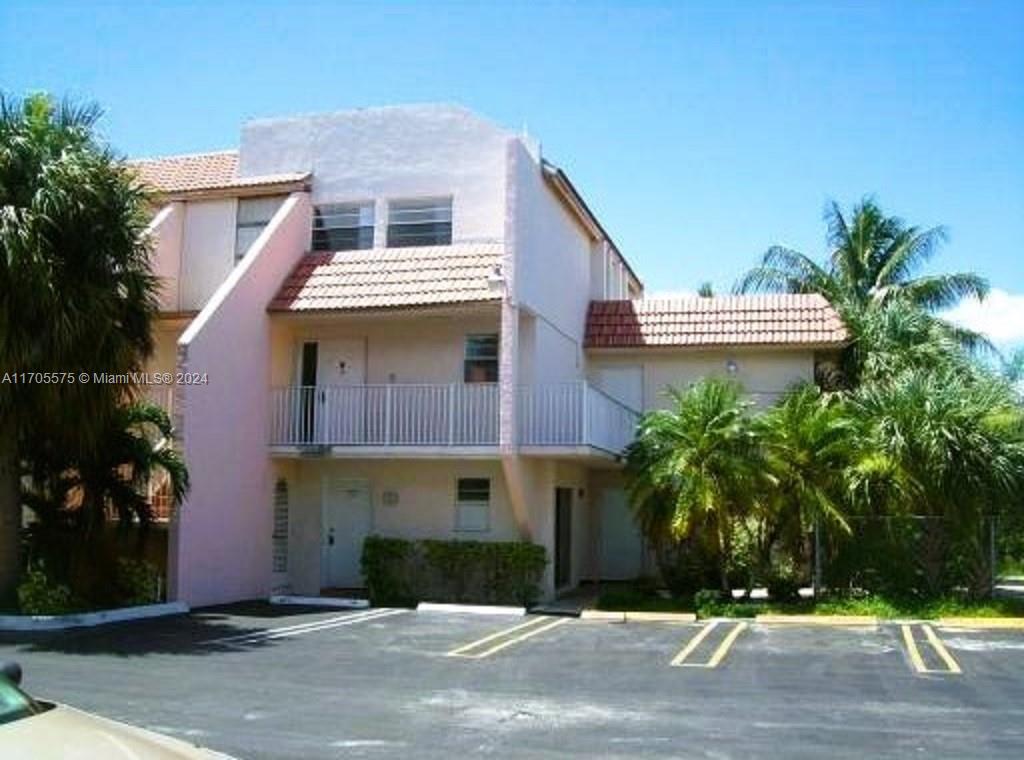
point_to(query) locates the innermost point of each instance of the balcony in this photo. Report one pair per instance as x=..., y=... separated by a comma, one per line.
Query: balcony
x=454, y=416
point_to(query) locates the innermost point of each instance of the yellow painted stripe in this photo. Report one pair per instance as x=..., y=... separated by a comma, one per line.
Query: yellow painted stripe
x=517, y=639
x=686, y=651
x=936, y=642
x=496, y=635
x=723, y=648
x=912, y=650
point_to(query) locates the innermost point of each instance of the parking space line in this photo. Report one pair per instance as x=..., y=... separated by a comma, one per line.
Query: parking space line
x=302, y=628
x=952, y=667
x=679, y=661
x=524, y=630
x=693, y=644
x=936, y=642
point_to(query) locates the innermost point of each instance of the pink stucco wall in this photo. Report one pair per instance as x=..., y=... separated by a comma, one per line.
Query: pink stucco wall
x=220, y=542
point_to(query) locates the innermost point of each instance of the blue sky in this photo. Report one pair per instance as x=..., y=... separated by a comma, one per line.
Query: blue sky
x=699, y=132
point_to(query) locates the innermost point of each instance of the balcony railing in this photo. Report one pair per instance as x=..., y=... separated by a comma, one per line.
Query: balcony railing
x=574, y=414
x=454, y=414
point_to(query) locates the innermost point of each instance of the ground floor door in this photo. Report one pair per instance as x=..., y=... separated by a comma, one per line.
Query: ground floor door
x=347, y=521
x=563, y=537
x=621, y=546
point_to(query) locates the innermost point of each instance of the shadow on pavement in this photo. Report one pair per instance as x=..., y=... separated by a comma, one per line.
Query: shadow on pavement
x=196, y=633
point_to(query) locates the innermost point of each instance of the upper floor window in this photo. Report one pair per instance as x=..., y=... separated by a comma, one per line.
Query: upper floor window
x=252, y=216
x=343, y=226
x=426, y=221
x=481, y=359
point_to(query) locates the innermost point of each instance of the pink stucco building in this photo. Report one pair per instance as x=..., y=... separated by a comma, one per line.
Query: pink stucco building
x=406, y=321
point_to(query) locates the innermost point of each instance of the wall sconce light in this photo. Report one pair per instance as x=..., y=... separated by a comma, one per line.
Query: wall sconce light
x=731, y=366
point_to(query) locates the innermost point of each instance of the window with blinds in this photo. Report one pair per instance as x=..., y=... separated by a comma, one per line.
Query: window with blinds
x=343, y=227
x=252, y=216
x=425, y=221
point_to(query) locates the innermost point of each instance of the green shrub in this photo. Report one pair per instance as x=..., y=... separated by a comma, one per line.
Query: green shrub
x=388, y=571
x=783, y=587
x=39, y=595
x=138, y=582
x=402, y=573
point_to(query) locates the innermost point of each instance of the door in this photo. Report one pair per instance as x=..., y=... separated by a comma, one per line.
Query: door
x=563, y=537
x=621, y=545
x=347, y=521
x=623, y=383
x=333, y=395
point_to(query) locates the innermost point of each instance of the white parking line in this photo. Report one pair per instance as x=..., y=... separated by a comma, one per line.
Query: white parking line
x=301, y=628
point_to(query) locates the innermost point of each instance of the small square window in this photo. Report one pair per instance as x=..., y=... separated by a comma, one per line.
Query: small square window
x=251, y=218
x=343, y=227
x=473, y=505
x=480, y=364
x=425, y=221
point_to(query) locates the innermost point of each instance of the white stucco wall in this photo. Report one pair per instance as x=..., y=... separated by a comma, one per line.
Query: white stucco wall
x=425, y=507
x=166, y=236
x=415, y=349
x=397, y=152
x=763, y=373
x=208, y=249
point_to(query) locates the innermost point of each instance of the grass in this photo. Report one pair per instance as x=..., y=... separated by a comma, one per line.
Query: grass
x=639, y=598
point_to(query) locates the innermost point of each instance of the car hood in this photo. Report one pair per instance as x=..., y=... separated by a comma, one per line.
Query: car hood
x=69, y=734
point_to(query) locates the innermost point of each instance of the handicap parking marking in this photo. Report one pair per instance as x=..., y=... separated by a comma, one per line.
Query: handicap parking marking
x=299, y=629
x=679, y=661
x=916, y=658
x=506, y=637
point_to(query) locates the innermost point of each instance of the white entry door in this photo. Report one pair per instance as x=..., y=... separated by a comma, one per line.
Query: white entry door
x=622, y=547
x=333, y=373
x=347, y=521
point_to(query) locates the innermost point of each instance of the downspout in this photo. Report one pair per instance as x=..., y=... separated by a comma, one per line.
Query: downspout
x=508, y=357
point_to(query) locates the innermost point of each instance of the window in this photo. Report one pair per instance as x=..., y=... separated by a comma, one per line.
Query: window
x=343, y=227
x=280, y=534
x=252, y=216
x=481, y=361
x=473, y=505
x=420, y=222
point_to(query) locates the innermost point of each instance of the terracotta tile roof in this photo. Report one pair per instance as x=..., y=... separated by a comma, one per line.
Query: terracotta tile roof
x=718, y=321
x=203, y=171
x=382, y=278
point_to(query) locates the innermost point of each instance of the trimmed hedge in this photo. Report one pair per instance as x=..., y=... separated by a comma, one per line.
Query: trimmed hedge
x=402, y=573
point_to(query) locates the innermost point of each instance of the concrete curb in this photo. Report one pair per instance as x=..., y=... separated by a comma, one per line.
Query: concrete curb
x=833, y=620
x=1008, y=623
x=321, y=601
x=473, y=609
x=638, y=617
x=89, y=619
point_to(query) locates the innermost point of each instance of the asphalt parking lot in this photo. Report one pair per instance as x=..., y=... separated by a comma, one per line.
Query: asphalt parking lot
x=258, y=681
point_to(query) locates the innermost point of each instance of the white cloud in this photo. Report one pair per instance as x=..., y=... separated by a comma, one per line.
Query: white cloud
x=1000, y=317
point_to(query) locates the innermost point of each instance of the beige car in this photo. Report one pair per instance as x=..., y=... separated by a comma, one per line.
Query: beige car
x=31, y=729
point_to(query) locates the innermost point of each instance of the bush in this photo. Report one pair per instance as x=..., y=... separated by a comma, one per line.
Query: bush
x=402, y=573
x=138, y=582
x=39, y=595
x=783, y=587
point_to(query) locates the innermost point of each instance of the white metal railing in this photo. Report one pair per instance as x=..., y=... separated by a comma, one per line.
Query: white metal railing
x=574, y=414
x=452, y=414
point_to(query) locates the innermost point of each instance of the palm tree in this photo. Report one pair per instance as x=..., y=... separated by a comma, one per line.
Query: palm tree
x=76, y=293
x=693, y=469
x=941, y=445
x=807, y=446
x=872, y=261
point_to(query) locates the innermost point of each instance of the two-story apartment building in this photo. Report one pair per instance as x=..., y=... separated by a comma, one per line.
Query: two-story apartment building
x=405, y=321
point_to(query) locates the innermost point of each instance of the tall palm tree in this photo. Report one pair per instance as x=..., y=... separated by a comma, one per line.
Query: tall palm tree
x=872, y=260
x=693, y=468
x=806, y=440
x=76, y=293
